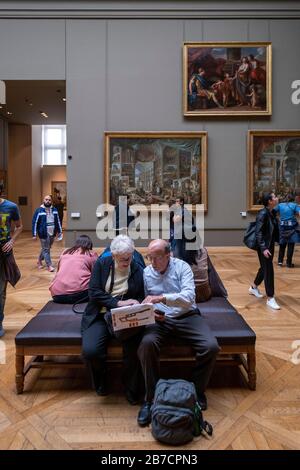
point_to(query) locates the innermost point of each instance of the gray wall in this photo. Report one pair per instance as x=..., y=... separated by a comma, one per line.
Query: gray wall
x=124, y=73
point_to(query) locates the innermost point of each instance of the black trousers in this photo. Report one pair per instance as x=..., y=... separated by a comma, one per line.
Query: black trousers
x=290, y=252
x=72, y=298
x=95, y=340
x=194, y=330
x=94, y=349
x=266, y=271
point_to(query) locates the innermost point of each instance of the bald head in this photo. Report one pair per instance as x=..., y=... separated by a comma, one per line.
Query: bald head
x=159, y=245
x=159, y=255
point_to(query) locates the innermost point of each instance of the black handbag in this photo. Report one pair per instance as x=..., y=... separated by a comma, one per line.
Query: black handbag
x=250, y=236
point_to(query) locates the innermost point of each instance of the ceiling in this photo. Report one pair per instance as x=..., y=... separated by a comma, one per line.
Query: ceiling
x=26, y=99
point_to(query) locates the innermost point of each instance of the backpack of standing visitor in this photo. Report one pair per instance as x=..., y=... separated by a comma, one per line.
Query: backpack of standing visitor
x=250, y=236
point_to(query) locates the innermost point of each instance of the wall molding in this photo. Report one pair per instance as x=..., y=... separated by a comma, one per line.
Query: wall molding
x=169, y=10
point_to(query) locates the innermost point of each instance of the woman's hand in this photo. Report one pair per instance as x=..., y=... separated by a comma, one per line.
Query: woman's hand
x=127, y=303
x=267, y=254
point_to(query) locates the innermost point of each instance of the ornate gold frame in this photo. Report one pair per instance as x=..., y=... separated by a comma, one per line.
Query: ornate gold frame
x=250, y=179
x=267, y=112
x=202, y=135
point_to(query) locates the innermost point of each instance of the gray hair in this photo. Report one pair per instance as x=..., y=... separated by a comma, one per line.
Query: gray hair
x=121, y=244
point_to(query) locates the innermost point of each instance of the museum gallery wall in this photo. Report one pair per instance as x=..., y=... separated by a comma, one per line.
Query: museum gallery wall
x=221, y=79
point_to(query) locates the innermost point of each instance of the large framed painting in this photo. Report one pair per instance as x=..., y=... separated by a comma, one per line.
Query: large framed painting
x=59, y=189
x=227, y=78
x=273, y=164
x=156, y=167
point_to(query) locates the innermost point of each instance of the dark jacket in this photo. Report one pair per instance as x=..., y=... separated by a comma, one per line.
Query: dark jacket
x=9, y=270
x=99, y=298
x=266, y=229
x=39, y=223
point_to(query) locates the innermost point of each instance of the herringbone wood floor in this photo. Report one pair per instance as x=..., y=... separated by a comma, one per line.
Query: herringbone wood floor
x=58, y=410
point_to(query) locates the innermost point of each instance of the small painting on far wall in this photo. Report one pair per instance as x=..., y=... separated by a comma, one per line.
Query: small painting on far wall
x=59, y=190
x=227, y=79
x=3, y=181
x=273, y=165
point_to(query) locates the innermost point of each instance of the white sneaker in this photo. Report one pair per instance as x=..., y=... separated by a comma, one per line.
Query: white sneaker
x=273, y=304
x=255, y=291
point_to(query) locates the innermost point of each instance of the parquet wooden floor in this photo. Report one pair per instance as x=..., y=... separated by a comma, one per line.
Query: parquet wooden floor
x=60, y=411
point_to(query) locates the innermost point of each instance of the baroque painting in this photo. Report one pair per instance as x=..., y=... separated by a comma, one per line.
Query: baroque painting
x=273, y=165
x=59, y=189
x=221, y=79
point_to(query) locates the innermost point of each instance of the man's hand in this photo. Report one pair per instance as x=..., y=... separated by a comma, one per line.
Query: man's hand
x=8, y=246
x=159, y=317
x=267, y=254
x=33, y=238
x=127, y=303
x=154, y=299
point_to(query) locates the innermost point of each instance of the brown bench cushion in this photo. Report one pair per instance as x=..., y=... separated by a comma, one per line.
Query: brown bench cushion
x=216, y=305
x=54, y=329
x=57, y=324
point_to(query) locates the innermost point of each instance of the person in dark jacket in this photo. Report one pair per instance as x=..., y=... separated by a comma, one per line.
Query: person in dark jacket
x=46, y=225
x=267, y=234
x=116, y=281
x=59, y=205
x=182, y=229
x=123, y=215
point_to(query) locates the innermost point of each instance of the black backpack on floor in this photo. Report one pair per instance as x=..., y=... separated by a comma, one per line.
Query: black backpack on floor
x=176, y=414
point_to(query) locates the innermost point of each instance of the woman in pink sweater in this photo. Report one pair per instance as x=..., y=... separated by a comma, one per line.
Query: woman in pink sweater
x=71, y=282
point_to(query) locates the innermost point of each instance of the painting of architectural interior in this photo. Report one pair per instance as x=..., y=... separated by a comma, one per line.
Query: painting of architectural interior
x=156, y=168
x=274, y=164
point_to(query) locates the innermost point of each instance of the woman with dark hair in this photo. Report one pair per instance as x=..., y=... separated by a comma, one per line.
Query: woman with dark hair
x=288, y=229
x=266, y=234
x=74, y=270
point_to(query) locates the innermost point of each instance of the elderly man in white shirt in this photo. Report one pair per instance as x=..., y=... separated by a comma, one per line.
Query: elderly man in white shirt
x=169, y=284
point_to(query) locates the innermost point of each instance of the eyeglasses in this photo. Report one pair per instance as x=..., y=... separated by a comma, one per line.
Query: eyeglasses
x=124, y=260
x=155, y=258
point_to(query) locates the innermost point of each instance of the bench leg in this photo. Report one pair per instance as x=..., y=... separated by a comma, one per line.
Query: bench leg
x=20, y=373
x=251, y=361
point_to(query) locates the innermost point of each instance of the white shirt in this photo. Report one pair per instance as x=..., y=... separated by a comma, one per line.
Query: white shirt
x=176, y=284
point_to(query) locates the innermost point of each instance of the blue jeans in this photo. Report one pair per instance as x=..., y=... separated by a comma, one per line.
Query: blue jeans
x=3, y=285
x=45, y=251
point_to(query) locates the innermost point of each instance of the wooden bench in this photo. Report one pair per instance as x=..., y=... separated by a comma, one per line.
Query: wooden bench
x=55, y=331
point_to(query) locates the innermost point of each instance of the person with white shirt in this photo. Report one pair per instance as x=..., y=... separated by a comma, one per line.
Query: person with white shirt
x=169, y=284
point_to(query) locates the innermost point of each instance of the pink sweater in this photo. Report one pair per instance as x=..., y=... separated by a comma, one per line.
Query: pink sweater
x=74, y=273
